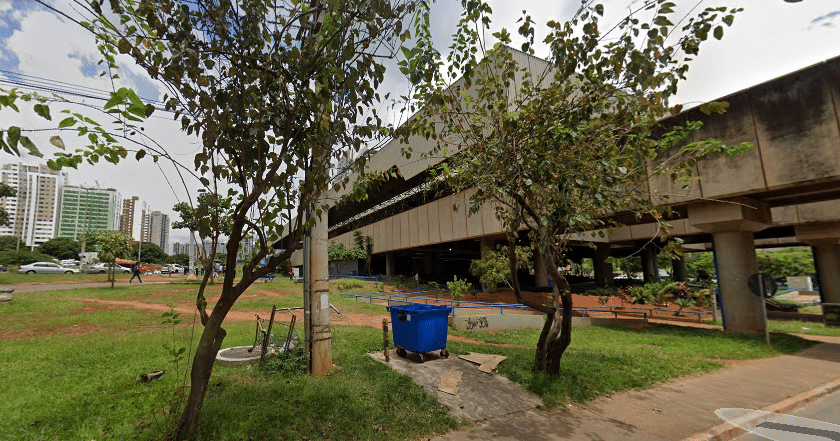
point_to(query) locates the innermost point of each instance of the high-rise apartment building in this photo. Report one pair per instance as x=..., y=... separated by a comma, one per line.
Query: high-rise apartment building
x=159, y=229
x=134, y=219
x=87, y=209
x=33, y=213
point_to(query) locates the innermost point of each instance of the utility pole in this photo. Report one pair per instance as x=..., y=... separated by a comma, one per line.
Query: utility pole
x=316, y=278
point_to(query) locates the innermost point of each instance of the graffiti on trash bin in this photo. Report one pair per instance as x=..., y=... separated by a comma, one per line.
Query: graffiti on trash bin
x=478, y=322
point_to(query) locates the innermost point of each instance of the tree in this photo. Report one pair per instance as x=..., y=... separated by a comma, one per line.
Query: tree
x=560, y=150
x=6, y=191
x=494, y=267
x=149, y=252
x=180, y=259
x=8, y=243
x=340, y=254
x=61, y=248
x=364, y=243
x=274, y=90
x=110, y=245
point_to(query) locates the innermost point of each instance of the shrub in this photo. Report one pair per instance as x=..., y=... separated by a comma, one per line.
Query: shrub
x=457, y=288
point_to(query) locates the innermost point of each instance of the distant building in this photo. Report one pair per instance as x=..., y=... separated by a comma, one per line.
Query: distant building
x=159, y=229
x=134, y=219
x=180, y=248
x=33, y=213
x=87, y=209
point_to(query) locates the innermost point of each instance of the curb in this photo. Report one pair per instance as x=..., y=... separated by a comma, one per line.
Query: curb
x=726, y=431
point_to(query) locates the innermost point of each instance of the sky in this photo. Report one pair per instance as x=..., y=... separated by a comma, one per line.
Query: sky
x=768, y=39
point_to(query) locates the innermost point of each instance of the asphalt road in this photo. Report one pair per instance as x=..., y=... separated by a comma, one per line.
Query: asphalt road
x=825, y=409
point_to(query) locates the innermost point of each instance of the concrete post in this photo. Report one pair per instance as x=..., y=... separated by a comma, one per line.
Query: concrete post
x=649, y=271
x=732, y=225
x=321, y=338
x=825, y=240
x=390, y=263
x=603, y=269
x=679, y=272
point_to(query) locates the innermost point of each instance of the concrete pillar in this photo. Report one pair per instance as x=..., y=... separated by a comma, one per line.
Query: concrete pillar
x=679, y=272
x=825, y=240
x=390, y=263
x=603, y=269
x=321, y=337
x=430, y=263
x=827, y=261
x=650, y=272
x=540, y=275
x=732, y=225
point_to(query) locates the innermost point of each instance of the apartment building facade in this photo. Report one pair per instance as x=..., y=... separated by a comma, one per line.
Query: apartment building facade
x=33, y=212
x=87, y=209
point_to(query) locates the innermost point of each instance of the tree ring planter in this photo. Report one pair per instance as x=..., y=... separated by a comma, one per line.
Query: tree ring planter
x=7, y=295
x=238, y=355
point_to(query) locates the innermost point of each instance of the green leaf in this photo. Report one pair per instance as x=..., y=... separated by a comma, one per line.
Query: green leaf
x=140, y=154
x=719, y=32
x=33, y=150
x=67, y=122
x=43, y=110
x=13, y=137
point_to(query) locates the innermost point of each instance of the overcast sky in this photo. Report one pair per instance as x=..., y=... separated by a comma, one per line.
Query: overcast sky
x=769, y=39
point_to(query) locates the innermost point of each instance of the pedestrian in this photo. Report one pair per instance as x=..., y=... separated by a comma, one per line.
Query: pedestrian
x=136, y=269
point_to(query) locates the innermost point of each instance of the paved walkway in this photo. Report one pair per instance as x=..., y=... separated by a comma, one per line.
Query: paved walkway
x=683, y=409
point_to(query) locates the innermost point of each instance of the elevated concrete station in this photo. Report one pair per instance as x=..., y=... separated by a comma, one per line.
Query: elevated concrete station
x=784, y=191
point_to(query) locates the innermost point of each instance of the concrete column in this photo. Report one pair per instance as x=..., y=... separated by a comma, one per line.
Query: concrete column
x=827, y=261
x=603, y=269
x=650, y=273
x=732, y=225
x=321, y=344
x=825, y=240
x=735, y=253
x=540, y=275
x=390, y=263
x=679, y=271
x=430, y=263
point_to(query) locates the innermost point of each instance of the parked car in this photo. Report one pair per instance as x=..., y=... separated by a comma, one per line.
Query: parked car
x=172, y=268
x=70, y=262
x=102, y=268
x=45, y=268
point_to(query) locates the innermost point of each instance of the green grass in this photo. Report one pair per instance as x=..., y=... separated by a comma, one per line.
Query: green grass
x=606, y=359
x=71, y=371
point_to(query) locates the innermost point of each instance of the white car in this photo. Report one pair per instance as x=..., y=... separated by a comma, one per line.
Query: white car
x=45, y=268
x=172, y=268
x=102, y=268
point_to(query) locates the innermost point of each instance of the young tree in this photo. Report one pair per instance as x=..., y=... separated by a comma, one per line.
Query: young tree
x=110, y=245
x=274, y=90
x=364, y=243
x=494, y=267
x=340, y=254
x=561, y=150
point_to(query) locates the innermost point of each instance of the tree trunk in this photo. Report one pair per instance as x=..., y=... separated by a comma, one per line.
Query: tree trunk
x=556, y=334
x=202, y=368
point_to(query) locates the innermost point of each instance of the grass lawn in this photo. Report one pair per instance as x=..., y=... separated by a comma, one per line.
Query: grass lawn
x=71, y=370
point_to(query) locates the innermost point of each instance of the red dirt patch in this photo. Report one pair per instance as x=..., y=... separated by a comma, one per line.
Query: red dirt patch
x=44, y=331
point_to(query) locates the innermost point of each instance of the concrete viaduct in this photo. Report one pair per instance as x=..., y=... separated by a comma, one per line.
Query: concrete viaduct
x=784, y=191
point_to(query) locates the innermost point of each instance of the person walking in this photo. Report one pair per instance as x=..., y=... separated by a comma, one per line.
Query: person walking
x=136, y=269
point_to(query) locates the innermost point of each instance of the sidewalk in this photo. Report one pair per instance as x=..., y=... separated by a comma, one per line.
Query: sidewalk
x=681, y=409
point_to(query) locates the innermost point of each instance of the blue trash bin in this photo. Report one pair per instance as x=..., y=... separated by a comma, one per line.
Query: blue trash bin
x=420, y=328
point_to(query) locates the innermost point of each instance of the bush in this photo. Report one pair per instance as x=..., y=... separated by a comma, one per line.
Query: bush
x=22, y=257
x=457, y=288
x=283, y=364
